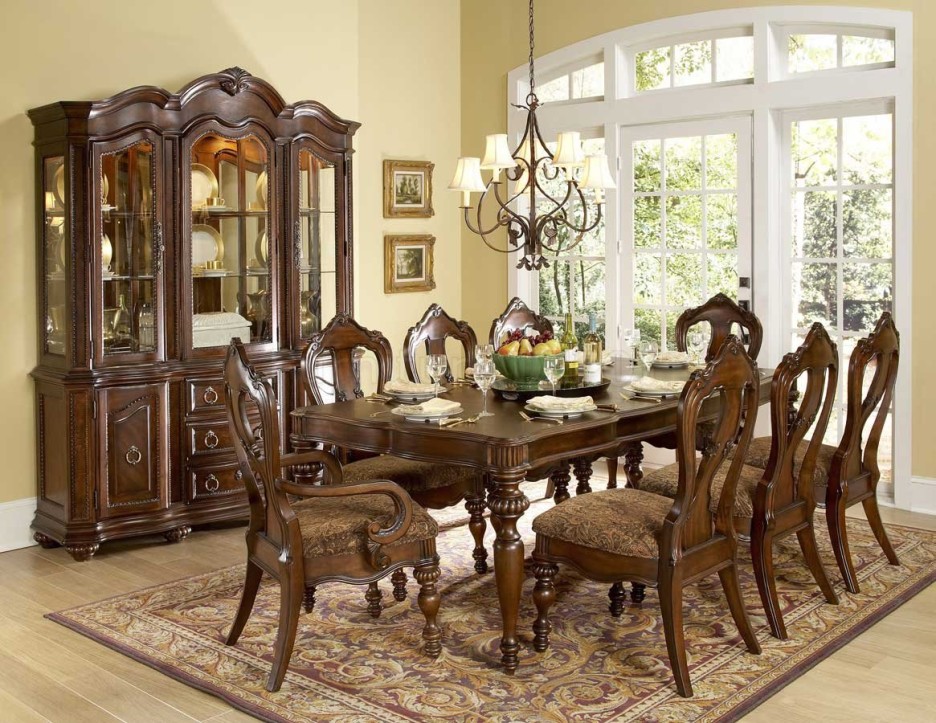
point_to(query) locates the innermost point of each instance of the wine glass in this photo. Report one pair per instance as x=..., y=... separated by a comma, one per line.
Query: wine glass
x=631, y=339
x=648, y=352
x=554, y=368
x=436, y=365
x=695, y=340
x=484, y=352
x=484, y=377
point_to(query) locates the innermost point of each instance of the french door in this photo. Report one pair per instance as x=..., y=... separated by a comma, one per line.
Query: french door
x=685, y=220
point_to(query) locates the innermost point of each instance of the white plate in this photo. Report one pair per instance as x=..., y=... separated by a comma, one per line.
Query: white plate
x=425, y=417
x=211, y=273
x=410, y=396
x=660, y=394
x=262, y=190
x=559, y=413
x=207, y=245
x=260, y=248
x=669, y=365
x=204, y=184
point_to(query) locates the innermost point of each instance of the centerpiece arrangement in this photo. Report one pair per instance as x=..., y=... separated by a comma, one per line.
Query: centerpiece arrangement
x=521, y=356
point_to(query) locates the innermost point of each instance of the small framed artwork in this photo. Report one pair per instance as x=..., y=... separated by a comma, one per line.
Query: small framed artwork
x=408, y=263
x=407, y=189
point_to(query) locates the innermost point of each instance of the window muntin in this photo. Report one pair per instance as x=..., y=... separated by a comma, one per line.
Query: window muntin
x=812, y=49
x=581, y=83
x=699, y=61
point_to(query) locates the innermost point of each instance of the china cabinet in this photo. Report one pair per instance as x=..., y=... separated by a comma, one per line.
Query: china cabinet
x=168, y=223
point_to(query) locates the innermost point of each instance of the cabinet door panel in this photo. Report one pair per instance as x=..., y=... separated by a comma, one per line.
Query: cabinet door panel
x=135, y=451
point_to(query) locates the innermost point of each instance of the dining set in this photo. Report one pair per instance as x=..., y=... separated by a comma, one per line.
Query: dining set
x=349, y=502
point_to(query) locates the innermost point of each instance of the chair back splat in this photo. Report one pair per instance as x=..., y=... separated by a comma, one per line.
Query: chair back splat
x=432, y=330
x=722, y=314
x=517, y=315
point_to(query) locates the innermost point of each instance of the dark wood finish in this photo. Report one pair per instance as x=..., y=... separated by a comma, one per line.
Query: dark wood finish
x=341, y=342
x=275, y=539
x=784, y=500
x=504, y=446
x=854, y=472
x=97, y=410
x=721, y=313
x=431, y=332
x=690, y=546
x=517, y=315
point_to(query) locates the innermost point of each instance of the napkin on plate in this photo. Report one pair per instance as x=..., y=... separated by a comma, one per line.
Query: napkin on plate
x=561, y=404
x=432, y=406
x=402, y=386
x=672, y=357
x=607, y=359
x=649, y=384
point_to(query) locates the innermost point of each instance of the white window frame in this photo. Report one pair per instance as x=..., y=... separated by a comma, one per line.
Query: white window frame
x=783, y=32
x=772, y=93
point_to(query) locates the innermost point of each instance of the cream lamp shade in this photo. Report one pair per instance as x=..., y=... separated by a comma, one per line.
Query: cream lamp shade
x=597, y=175
x=569, y=153
x=467, y=178
x=497, y=155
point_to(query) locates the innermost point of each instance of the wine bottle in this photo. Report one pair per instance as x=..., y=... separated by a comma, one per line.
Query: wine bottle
x=592, y=346
x=569, y=343
x=123, y=324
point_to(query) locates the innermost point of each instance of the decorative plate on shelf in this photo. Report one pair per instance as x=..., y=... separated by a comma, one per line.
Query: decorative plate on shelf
x=262, y=190
x=58, y=184
x=260, y=248
x=207, y=245
x=204, y=185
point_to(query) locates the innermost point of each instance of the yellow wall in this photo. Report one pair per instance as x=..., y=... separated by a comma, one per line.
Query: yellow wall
x=327, y=51
x=494, y=41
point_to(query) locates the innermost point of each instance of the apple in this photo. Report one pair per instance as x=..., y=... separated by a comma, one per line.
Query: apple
x=542, y=349
x=526, y=348
x=509, y=349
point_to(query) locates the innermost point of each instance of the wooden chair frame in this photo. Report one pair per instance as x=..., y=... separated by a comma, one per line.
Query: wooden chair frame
x=721, y=313
x=517, y=315
x=431, y=332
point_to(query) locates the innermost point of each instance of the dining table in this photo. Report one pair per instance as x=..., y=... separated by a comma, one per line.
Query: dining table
x=510, y=449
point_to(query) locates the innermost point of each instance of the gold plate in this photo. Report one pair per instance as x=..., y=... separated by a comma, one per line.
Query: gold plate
x=260, y=248
x=58, y=184
x=262, y=190
x=207, y=245
x=107, y=252
x=204, y=185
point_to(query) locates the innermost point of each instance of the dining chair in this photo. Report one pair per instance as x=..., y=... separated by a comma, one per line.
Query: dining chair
x=629, y=534
x=430, y=334
x=433, y=485
x=849, y=473
x=355, y=532
x=722, y=315
x=517, y=315
x=779, y=499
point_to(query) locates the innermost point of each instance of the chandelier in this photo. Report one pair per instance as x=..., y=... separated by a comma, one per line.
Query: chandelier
x=529, y=168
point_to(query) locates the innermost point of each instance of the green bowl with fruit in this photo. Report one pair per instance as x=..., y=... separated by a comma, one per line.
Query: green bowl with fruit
x=520, y=358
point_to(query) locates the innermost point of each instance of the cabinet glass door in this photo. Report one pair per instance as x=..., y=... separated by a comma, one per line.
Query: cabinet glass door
x=130, y=249
x=315, y=243
x=231, y=258
x=55, y=257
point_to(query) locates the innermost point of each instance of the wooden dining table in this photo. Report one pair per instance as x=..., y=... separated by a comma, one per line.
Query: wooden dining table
x=509, y=449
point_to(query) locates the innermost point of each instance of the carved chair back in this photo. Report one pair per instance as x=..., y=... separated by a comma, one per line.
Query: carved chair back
x=517, y=315
x=817, y=358
x=731, y=375
x=722, y=314
x=882, y=349
x=339, y=341
x=432, y=330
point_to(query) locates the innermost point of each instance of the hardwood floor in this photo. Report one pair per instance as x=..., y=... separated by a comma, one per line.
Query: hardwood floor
x=52, y=674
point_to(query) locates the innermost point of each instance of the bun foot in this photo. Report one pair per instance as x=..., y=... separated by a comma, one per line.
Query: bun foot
x=45, y=541
x=177, y=534
x=82, y=553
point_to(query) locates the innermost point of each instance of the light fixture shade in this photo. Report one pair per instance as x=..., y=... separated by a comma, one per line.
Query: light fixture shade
x=467, y=176
x=569, y=152
x=597, y=173
x=523, y=151
x=497, y=153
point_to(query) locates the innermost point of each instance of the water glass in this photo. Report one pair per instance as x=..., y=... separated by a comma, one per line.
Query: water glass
x=484, y=375
x=648, y=352
x=484, y=352
x=436, y=365
x=631, y=340
x=695, y=340
x=554, y=368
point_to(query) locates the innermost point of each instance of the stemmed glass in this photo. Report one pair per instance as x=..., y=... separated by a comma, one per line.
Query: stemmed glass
x=436, y=365
x=484, y=377
x=631, y=339
x=648, y=352
x=695, y=340
x=484, y=352
x=554, y=368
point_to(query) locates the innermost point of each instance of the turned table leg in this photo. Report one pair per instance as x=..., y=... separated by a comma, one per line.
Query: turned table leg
x=583, y=473
x=633, y=456
x=507, y=506
x=560, y=479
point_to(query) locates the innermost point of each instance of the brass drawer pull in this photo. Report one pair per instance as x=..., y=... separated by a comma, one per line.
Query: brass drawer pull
x=212, y=484
x=210, y=396
x=211, y=439
x=133, y=456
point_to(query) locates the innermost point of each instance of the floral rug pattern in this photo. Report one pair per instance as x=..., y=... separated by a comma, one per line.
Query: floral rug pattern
x=346, y=666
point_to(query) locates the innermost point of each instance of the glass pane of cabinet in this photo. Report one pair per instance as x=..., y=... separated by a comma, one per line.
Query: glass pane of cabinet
x=316, y=243
x=55, y=253
x=231, y=261
x=125, y=191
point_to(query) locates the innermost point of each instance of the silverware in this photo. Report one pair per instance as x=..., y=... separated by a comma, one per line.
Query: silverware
x=607, y=407
x=648, y=400
x=386, y=411
x=528, y=418
x=449, y=421
x=456, y=422
x=379, y=398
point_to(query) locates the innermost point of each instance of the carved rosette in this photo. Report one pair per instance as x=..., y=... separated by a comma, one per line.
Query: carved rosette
x=237, y=80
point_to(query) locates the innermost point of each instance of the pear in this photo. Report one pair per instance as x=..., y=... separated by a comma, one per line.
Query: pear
x=542, y=349
x=554, y=346
x=509, y=349
x=526, y=348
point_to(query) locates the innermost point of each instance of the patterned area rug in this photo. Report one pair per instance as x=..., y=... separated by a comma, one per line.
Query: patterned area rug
x=347, y=666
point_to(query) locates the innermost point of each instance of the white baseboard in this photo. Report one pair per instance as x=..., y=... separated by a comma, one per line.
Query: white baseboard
x=923, y=495
x=15, y=518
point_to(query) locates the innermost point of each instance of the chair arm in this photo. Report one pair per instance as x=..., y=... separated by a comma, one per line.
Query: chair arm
x=314, y=456
x=401, y=501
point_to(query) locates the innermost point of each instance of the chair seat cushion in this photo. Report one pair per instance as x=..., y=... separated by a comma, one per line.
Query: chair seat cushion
x=665, y=482
x=411, y=475
x=622, y=521
x=338, y=525
x=759, y=452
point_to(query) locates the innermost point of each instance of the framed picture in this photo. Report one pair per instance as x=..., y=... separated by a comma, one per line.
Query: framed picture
x=407, y=189
x=408, y=263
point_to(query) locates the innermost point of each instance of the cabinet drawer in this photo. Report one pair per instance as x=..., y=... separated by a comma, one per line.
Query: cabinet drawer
x=204, y=394
x=214, y=482
x=208, y=437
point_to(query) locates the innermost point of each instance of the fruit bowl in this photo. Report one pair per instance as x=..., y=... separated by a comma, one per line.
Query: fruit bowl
x=522, y=368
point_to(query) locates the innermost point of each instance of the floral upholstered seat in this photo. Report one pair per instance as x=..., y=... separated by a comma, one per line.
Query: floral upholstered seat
x=412, y=475
x=759, y=452
x=665, y=480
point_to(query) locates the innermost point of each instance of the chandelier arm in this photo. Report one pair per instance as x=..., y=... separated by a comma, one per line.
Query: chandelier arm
x=477, y=229
x=585, y=227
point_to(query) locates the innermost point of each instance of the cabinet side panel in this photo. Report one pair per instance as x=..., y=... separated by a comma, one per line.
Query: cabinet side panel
x=53, y=436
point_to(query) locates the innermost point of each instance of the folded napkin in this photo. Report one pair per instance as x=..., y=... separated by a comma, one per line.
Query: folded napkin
x=649, y=384
x=432, y=406
x=561, y=404
x=607, y=359
x=402, y=386
x=672, y=357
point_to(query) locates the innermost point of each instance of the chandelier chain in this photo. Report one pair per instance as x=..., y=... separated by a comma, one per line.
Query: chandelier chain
x=531, y=47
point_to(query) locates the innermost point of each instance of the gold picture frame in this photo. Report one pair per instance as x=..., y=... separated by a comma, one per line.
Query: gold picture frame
x=408, y=263
x=407, y=189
